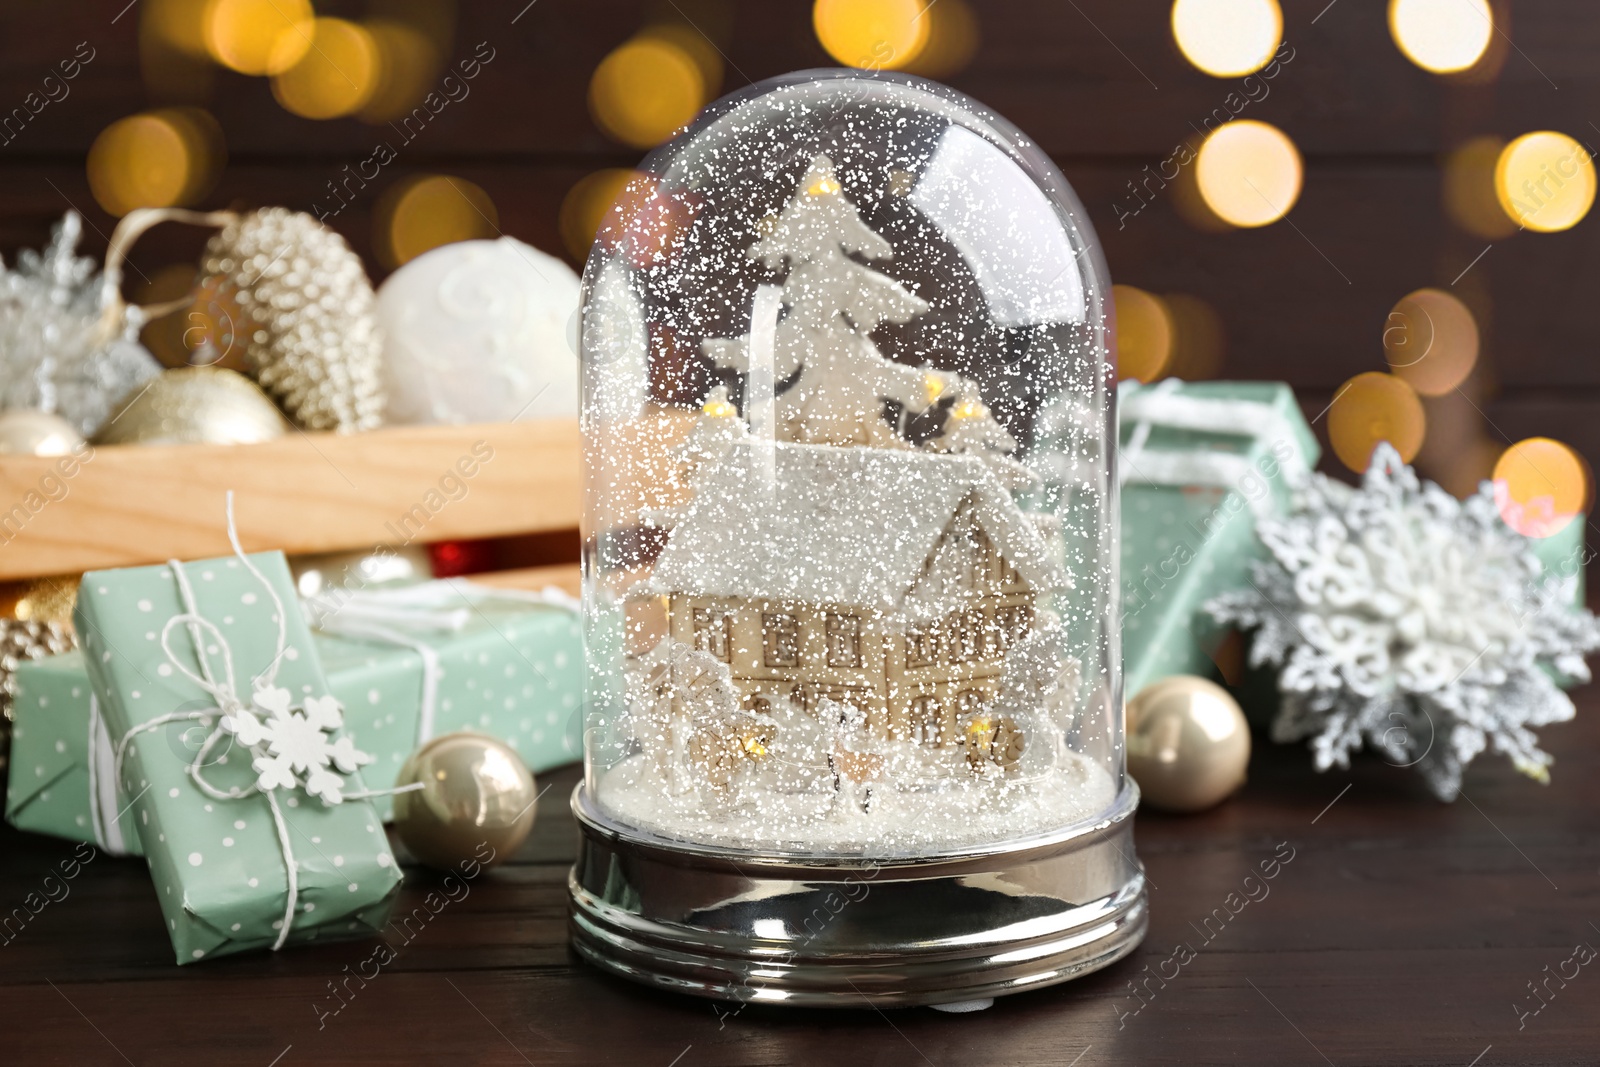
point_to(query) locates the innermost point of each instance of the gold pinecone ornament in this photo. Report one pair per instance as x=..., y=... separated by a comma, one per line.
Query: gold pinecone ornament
x=22, y=639
x=307, y=327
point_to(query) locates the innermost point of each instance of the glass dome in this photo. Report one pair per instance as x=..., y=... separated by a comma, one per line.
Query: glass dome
x=850, y=578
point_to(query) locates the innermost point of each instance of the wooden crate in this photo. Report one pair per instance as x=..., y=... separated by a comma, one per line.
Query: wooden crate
x=129, y=505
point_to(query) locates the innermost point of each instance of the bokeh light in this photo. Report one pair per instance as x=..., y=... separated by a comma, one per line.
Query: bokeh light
x=1370, y=408
x=645, y=89
x=424, y=212
x=1470, y=199
x=164, y=335
x=872, y=34
x=1545, y=181
x=1198, y=339
x=952, y=40
x=180, y=24
x=585, y=207
x=1431, y=340
x=1443, y=36
x=408, y=65
x=1249, y=173
x=1145, y=334
x=1227, y=38
x=155, y=159
x=258, y=36
x=694, y=44
x=336, y=77
x=1540, y=486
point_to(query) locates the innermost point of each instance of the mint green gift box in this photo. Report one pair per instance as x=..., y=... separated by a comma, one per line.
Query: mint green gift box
x=221, y=872
x=1199, y=461
x=512, y=669
x=61, y=781
x=530, y=654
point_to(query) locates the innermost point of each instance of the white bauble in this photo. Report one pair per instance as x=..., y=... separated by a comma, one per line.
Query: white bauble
x=476, y=331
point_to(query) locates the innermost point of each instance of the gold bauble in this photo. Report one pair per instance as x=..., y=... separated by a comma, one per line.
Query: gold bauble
x=306, y=317
x=20, y=640
x=194, y=405
x=477, y=801
x=1188, y=743
x=42, y=599
x=362, y=568
x=25, y=432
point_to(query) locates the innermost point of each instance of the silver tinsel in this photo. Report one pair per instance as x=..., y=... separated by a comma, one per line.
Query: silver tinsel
x=309, y=336
x=1418, y=624
x=60, y=350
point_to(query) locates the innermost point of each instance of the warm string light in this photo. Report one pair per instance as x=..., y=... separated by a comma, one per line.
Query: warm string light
x=1540, y=486
x=1431, y=340
x=163, y=158
x=1442, y=36
x=1146, y=334
x=1248, y=173
x=872, y=34
x=1370, y=408
x=336, y=76
x=647, y=88
x=1545, y=181
x=424, y=212
x=258, y=36
x=1227, y=38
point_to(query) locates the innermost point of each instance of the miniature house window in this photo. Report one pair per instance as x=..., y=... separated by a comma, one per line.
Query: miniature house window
x=780, y=639
x=844, y=640
x=966, y=636
x=1011, y=625
x=922, y=646
x=927, y=720
x=711, y=632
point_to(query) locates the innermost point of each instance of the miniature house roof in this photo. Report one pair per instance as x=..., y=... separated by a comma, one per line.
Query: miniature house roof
x=852, y=526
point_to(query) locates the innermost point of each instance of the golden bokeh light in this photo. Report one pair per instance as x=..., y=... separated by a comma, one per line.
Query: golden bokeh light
x=1442, y=36
x=872, y=34
x=1545, y=181
x=1198, y=339
x=1370, y=408
x=1248, y=173
x=585, y=206
x=145, y=160
x=1227, y=38
x=180, y=24
x=1470, y=199
x=952, y=40
x=1431, y=340
x=258, y=36
x=424, y=212
x=408, y=65
x=695, y=45
x=1540, y=486
x=336, y=76
x=645, y=90
x=1145, y=334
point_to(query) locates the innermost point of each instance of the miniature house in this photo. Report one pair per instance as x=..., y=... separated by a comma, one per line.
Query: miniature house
x=945, y=578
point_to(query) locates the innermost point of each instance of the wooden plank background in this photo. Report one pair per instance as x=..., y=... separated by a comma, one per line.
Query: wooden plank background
x=1099, y=83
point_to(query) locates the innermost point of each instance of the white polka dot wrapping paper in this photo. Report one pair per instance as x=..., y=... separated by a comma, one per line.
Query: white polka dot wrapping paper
x=220, y=865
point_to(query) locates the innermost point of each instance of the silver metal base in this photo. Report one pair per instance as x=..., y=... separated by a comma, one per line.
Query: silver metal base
x=746, y=927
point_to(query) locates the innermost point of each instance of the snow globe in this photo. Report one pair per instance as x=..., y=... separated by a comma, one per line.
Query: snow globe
x=853, y=728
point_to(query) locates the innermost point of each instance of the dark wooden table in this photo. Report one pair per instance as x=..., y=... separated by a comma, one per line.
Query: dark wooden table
x=1403, y=931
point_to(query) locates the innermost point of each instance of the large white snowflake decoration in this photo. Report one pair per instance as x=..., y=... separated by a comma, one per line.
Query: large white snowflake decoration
x=287, y=744
x=1415, y=622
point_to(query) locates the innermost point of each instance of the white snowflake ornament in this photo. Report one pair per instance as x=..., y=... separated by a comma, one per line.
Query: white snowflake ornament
x=1419, y=624
x=287, y=743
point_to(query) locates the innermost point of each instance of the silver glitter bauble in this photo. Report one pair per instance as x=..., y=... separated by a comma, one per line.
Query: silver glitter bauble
x=20, y=640
x=306, y=308
x=195, y=405
x=62, y=348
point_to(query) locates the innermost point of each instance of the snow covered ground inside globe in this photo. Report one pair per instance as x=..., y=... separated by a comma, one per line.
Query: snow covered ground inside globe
x=891, y=820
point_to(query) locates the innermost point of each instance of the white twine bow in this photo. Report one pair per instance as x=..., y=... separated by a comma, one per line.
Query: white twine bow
x=283, y=744
x=394, y=615
x=1163, y=405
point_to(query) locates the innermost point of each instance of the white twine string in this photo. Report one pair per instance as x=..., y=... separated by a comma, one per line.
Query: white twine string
x=1163, y=405
x=228, y=703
